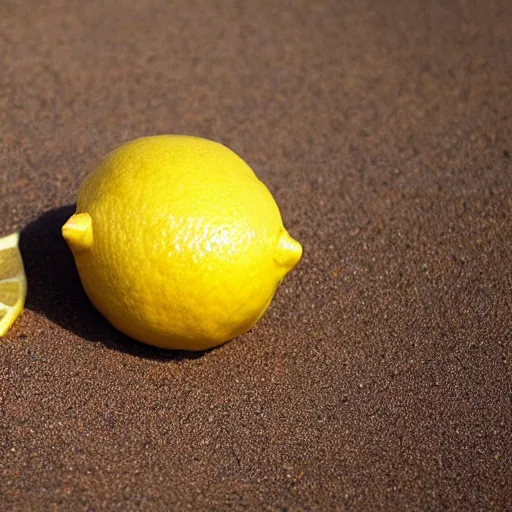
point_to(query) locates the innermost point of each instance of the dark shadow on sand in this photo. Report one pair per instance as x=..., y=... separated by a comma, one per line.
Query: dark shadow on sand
x=54, y=289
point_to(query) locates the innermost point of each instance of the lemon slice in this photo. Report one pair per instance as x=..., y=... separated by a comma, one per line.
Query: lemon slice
x=13, y=282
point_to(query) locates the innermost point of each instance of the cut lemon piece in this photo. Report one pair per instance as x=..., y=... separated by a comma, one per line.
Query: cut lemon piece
x=13, y=282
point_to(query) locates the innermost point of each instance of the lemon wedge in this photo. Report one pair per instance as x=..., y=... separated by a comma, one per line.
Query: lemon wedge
x=13, y=282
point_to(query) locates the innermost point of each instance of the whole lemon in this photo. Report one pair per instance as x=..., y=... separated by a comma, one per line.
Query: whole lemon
x=177, y=242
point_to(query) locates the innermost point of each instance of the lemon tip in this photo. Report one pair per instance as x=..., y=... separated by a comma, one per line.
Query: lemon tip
x=289, y=251
x=77, y=231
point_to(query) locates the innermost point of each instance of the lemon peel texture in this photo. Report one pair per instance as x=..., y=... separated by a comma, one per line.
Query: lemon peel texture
x=177, y=242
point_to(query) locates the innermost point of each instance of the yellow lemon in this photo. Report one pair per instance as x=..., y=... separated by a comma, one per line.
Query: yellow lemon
x=177, y=242
x=13, y=283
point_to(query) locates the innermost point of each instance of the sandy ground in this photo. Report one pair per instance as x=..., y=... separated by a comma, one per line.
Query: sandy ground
x=380, y=378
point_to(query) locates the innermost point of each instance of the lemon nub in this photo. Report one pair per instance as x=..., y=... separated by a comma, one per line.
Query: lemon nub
x=288, y=252
x=78, y=232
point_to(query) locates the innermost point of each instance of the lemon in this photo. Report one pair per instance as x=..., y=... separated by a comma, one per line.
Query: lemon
x=13, y=283
x=177, y=242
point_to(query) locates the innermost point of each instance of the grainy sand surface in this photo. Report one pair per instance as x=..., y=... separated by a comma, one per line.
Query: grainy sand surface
x=380, y=378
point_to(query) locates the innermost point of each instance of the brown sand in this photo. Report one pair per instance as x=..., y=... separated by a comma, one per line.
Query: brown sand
x=380, y=378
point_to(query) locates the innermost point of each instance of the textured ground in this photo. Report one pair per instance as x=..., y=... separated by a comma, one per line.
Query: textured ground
x=381, y=376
